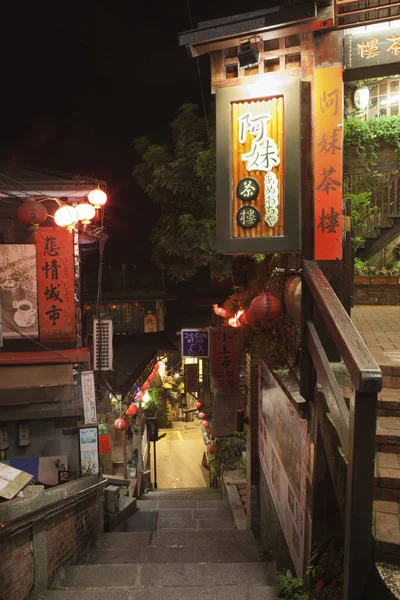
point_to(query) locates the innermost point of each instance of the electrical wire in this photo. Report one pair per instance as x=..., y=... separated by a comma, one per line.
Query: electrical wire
x=27, y=337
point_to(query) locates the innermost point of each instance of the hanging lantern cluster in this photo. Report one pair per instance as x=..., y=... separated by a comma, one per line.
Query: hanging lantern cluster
x=31, y=213
x=264, y=307
x=68, y=215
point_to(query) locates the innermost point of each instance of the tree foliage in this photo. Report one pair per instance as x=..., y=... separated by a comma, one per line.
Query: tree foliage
x=180, y=178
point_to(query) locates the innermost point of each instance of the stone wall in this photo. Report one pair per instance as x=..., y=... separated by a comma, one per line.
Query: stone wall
x=377, y=295
x=42, y=534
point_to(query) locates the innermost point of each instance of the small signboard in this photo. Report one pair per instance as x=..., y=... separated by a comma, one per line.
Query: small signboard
x=195, y=343
x=89, y=397
x=104, y=444
x=192, y=378
x=89, y=452
x=370, y=48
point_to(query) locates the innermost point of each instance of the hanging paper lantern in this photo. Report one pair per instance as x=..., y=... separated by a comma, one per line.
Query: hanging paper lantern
x=121, y=424
x=131, y=410
x=139, y=395
x=264, y=306
x=152, y=376
x=31, y=213
x=145, y=386
x=201, y=415
x=199, y=404
x=204, y=423
x=213, y=449
x=97, y=197
x=156, y=368
x=136, y=304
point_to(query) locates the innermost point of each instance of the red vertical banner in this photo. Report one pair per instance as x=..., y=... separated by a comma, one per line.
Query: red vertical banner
x=224, y=363
x=56, y=285
x=328, y=155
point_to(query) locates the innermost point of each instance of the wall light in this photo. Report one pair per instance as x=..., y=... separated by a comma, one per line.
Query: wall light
x=248, y=56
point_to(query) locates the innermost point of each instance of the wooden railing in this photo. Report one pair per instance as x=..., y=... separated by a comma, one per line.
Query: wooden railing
x=356, y=425
x=387, y=206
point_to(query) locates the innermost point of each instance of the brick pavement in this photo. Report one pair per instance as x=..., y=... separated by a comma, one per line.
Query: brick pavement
x=380, y=328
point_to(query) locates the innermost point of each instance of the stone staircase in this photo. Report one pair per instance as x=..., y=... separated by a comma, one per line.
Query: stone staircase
x=179, y=545
x=386, y=525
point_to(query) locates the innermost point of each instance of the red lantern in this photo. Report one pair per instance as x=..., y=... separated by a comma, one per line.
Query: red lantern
x=201, y=415
x=204, y=423
x=264, y=306
x=132, y=410
x=156, y=368
x=31, y=213
x=145, y=386
x=199, y=404
x=152, y=377
x=213, y=449
x=121, y=424
x=139, y=395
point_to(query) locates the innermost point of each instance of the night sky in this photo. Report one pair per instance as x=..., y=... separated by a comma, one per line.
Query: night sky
x=81, y=80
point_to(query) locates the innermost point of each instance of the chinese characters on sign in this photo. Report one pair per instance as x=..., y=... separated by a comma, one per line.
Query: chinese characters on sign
x=89, y=397
x=328, y=163
x=224, y=361
x=192, y=378
x=363, y=48
x=55, y=276
x=257, y=155
x=248, y=217
x=247, y=189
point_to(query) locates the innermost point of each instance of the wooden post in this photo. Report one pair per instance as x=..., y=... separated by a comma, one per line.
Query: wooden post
x=348, y=267
x=124, y=455
x=358, y=550
x=307, y=371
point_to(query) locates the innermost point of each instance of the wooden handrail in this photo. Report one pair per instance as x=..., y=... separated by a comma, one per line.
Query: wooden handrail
x=364, y=371
x=333, y=396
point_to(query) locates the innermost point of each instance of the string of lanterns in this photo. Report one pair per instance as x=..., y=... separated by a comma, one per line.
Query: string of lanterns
x=31, y=212
x=132, y=410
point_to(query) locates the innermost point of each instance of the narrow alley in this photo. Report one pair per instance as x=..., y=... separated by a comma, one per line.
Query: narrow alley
x=179, y=456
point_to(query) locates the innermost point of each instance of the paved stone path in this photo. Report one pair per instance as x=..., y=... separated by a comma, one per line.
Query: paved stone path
x=194, y=552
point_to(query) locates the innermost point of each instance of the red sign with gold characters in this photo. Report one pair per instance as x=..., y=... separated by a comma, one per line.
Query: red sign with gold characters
x=225, y=376
x=328, y=150
x=55, y=279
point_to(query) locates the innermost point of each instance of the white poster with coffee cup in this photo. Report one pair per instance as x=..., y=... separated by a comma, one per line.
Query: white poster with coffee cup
x=18, y=290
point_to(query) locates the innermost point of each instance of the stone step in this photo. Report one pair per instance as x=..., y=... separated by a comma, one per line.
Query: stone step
x=182, y=491
x=388, y=403
x=222, y=575
x=386, y=530
x=388, y=434
x=163, y=505
x=200, y=592
x=176, y=538
x=387, y=474
x=176, y=497
x=187, y=522
x=177, y=555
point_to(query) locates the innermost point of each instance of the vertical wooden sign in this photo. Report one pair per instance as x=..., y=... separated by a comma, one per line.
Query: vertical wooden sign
x=328, y=155
x=192, y=377
x=224, y=363
x=56, y=284
x=257, y=168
